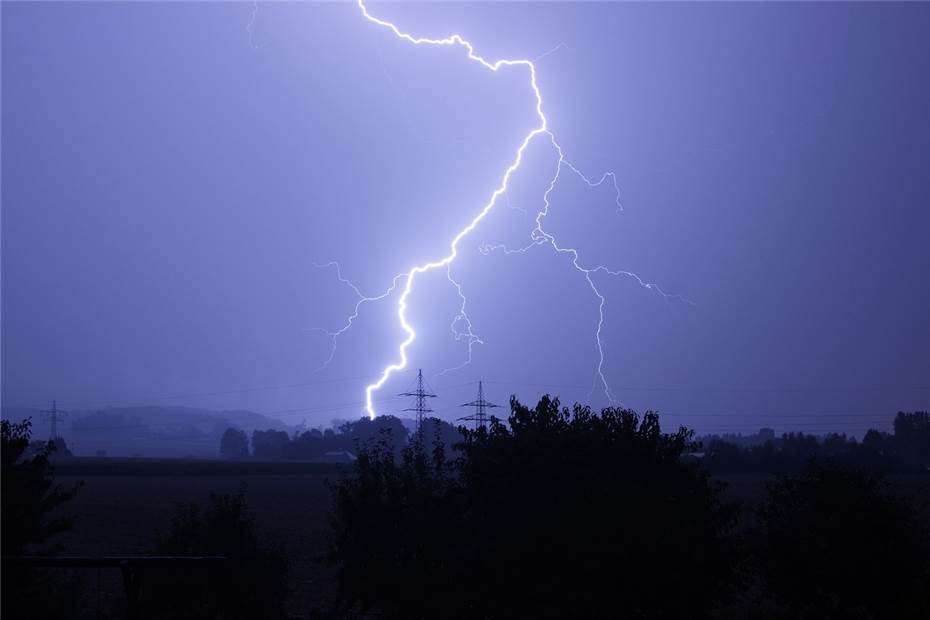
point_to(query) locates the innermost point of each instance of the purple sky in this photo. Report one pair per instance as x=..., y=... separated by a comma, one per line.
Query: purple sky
x=169, y=183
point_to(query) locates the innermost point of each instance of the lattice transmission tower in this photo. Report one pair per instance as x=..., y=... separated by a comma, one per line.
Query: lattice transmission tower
x=420, y=406
x=480, y=416
x=54, y=415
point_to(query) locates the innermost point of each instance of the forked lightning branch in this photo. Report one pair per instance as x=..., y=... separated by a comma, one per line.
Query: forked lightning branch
x=461, y=324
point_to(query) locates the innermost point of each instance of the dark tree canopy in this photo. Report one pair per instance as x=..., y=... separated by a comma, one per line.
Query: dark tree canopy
x=30, y=495
x=912, y=433
x=387, y=429
x=251, y=585
x=560, y=514
x=270, y=445
x=313, y=445
x=905, y=451
x=834, y=543
x=234, y=444
x=31, y=518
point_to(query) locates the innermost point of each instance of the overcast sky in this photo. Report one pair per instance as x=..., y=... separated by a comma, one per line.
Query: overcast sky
x=172, y=172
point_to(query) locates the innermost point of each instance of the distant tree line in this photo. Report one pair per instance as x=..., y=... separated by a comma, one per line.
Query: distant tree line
x=147, y=431
x=907, y=450
x=315, y=444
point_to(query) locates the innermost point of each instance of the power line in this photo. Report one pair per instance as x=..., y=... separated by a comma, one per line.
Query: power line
x=142, y=400
x=705, y=388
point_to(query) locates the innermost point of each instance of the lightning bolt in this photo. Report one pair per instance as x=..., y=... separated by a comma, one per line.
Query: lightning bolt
x=362, y=300
x=461, y=324
x=560, y=46
x=539, y=236
x=471, y=339
x=251, y=26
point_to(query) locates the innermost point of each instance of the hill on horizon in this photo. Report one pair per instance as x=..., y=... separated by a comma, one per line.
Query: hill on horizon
x=147, y=431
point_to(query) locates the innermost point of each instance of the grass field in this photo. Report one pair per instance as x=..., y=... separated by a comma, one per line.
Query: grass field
x=118, y=515
x=92, y=466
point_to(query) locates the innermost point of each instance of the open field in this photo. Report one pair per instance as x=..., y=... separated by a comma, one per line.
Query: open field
x=118, y=515
x=92, y=466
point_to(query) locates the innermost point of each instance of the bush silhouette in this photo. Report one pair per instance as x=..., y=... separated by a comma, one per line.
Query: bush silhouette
x=30, y=495
x=912, y=435
x=835, y=544
x=252, y=584
x=557, y=514
x=31, y=518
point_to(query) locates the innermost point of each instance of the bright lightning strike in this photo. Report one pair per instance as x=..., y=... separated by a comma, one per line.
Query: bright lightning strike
x=540, y=237
x=362, y=300
x=471, y=339
x=461, y=325
x=251, y=26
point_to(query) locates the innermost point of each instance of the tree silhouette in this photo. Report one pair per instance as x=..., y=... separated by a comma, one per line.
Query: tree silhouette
x=557, y=514
x=835, y=544
x=912, y=436
x=270, y=445
x=31, y=518
x=906, y=451
x=252, y=584
x=30, y=496
x=387, y=431
x=234, y=444
x=396, y=523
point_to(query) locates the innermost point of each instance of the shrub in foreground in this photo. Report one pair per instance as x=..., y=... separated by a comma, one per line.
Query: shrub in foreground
x=251, y=584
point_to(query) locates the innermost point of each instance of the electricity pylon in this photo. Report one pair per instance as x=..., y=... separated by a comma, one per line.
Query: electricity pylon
x=480, y=417
x=420, y=407
x=54, y=415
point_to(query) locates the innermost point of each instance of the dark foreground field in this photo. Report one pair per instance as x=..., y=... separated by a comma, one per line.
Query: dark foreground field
x=123, y=502
x=118, y=515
